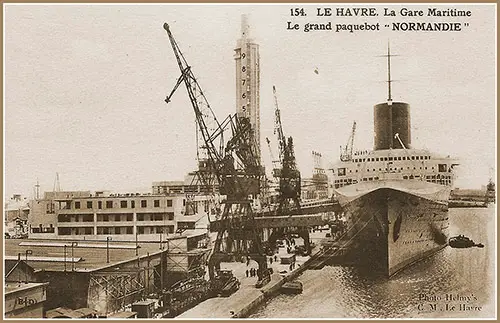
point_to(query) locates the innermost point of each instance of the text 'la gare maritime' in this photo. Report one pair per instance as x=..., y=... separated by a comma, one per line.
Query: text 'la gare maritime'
x=431, y=12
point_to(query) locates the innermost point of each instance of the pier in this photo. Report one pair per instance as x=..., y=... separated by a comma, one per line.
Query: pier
x=248, y=298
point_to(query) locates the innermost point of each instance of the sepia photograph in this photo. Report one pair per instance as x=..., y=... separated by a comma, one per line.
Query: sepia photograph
x=260, y=161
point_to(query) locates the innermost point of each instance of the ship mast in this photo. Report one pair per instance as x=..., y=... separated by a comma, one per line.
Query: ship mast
x=389, y=81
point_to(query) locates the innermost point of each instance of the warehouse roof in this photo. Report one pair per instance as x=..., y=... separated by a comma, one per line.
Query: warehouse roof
x=85, y=256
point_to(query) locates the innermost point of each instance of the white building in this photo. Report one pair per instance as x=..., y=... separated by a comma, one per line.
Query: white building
x=96, y=216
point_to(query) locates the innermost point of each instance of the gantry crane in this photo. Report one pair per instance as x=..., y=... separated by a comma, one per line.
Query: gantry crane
x=346, y=152
x=236, y=168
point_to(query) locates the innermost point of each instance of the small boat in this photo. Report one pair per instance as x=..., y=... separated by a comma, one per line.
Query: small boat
x=293, y=287
x=462, y=241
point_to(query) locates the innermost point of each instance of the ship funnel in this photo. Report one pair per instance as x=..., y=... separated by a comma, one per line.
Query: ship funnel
x=389, y=120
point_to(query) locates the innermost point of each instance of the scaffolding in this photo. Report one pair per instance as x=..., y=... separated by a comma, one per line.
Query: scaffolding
x=110, y=291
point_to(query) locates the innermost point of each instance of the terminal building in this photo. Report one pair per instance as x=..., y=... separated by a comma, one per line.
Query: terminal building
x=126, y=217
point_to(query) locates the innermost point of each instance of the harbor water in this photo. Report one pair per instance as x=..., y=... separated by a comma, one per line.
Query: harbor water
x=454, y=283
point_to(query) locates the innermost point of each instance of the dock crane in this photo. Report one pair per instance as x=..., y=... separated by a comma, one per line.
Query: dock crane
x=275, y=162
x=346, y=152
x=289, y=178
x=236, y=168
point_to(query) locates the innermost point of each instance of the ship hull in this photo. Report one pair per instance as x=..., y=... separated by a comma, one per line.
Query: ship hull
x=392, y=225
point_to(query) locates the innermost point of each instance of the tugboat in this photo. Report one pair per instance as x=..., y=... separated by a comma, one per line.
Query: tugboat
x=462, y=241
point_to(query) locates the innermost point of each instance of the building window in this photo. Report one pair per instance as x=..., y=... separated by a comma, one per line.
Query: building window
x=156, y=203
x=140, y=217
x=87, y=230
x=63, y=231
x=170, y=216
x=77, y=204
x=132, y=204
x=123, y=204
x=140, y=230
x=99, y=205
x=144, y=203
x=89, y=204
x=62, y=218
x=117, y=230
x=130, y=230
x=109, y=204
x=169, y=203
x=129, y=217
x=50, y=208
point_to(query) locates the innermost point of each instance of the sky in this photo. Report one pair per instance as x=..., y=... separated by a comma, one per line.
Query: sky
x=85, y=87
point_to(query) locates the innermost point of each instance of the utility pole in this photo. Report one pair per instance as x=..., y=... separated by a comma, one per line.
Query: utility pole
x=37, y=190
x=18, y=261
x=64, y=257
x=136, y=243
x=107, y=248
x=73, y=244
x=28, y=252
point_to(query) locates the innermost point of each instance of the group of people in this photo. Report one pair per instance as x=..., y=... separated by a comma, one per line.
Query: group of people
x=252, y=272
x=290, y=242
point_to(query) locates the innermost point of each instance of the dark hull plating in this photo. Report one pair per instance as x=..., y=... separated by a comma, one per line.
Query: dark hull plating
x=391, y=229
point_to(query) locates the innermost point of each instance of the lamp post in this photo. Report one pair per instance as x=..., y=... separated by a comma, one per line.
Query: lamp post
x=28, y=252
x=107, y=248
x=73, y=244
x=64, y=257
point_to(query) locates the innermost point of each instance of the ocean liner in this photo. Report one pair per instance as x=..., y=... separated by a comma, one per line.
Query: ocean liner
x=394, y=198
